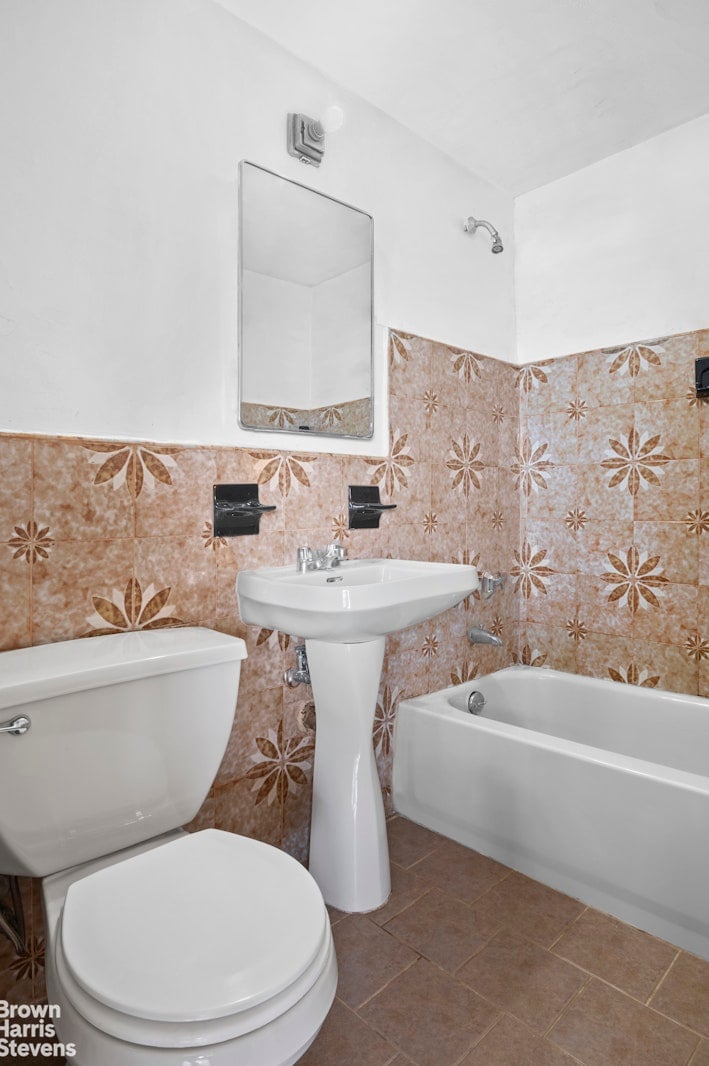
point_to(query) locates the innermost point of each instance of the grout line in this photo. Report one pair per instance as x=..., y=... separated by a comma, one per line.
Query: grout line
x=566, y=929
x=393, y=978
x=476, y=1043
x=474, y=955
x=695, y=1054
x=566, y=1006
x=662, y=980
x=30, y=602
x=403, y=910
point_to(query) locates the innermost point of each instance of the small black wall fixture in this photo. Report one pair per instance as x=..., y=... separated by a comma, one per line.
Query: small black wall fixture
x=701, y=376
x=366, y=507
x=237, y=510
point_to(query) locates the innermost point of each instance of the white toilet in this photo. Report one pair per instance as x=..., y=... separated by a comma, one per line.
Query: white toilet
x=164, y=948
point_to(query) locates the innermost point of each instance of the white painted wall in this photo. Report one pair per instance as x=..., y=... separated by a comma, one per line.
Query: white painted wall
x=122, y=124
x=618, y=251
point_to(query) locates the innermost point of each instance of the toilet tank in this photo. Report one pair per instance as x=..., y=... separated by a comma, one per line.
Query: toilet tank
x=127, y=734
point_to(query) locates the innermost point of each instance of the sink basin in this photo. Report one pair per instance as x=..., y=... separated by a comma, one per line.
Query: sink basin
x=359, y=600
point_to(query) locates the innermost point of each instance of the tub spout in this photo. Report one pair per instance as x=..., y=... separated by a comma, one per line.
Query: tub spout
x=480, y=635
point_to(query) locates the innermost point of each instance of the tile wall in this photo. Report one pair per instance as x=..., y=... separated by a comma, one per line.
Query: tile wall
x=606, y=453
x=101, y=537
x=613, y=473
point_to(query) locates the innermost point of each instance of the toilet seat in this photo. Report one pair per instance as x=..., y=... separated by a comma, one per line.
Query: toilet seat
x=141, y=962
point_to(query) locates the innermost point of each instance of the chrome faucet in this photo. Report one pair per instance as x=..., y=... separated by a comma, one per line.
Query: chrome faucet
x=300, y=673
x=320, y=558
x=480, y=635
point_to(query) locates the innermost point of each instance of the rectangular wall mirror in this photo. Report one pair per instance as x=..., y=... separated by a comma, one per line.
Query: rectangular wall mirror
x=305, y=309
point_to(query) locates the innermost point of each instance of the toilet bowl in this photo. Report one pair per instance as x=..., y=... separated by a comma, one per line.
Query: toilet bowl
x=175, y=949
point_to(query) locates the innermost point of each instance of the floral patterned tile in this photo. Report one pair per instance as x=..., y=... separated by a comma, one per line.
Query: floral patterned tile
x=410, y=418
x=551, y=497
x=598, y=499
x=178, y=500
x=314, y=500
x=558, y=605
x=670, y=494
x=676, y=620
x=611, y=657
x=181, y=572
x=603, y=430
x=237, y=812
x=84, y=588
x=674, y=549
x=596, y=536
x=16, y=466
x=600, y=613
x=557, y=431
x=676, y=670
x=550, y=646
x=409, y=541
x=599, y=385
x=560, y=542
x=675, y=425
x=257, y=714
x=558, y=390
x=409, y=364
x=84, y=492
x=672, y=376
x=15, y=592
x=456, y=374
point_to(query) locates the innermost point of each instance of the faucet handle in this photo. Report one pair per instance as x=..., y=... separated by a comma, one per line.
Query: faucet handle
x=303, y=557
x=337, y=550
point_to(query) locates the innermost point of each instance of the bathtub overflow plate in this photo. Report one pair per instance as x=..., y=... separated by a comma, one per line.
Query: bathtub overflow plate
x=476, y=702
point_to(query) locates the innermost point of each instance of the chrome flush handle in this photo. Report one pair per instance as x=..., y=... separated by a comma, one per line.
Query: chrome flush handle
x=16, y=727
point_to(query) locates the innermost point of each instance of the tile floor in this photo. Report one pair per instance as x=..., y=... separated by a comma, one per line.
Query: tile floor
x=471, y=963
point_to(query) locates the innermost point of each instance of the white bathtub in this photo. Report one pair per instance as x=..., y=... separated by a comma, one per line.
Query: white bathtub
x=598, y=789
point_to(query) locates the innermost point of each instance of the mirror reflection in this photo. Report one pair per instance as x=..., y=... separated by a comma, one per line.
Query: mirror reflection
x=305, y=289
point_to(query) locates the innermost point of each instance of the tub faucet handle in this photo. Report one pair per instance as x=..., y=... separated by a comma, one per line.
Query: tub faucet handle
x=489, y=584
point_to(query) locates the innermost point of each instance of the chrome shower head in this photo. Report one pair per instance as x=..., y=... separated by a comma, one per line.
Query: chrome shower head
x=471, y=224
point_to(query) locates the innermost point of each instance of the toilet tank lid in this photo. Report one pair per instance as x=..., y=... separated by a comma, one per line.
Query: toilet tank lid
x=46, y=670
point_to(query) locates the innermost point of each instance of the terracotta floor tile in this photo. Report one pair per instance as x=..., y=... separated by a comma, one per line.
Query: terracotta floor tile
x=522, y=978
x=684, y=994
x=409, y=842
x=449, y=1016
x=443, y=929
x=529, y=908
x=405, y=888
x=701, y=1055
x=604, y=1027
x=510, y=1043
x=345, y=1038
x=459, y=871
x=335, y=915
x=626, y=957
x=368, y=958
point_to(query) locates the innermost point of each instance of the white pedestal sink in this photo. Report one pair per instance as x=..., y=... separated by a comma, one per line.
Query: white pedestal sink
x=344, y=614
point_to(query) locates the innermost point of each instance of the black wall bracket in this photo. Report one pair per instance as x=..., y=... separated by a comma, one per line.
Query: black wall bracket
x=238, y=510
x=365, y=507
x=701, y=376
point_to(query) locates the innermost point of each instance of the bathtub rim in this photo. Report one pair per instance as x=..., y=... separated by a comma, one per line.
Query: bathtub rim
x=442, y=708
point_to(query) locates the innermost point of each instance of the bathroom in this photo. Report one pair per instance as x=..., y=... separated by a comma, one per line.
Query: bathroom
x=499, y=380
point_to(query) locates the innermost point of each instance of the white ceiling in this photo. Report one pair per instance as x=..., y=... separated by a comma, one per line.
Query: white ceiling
x=519, y=91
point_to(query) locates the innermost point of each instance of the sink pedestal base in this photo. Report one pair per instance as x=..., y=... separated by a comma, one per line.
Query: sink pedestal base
x=349, y=856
